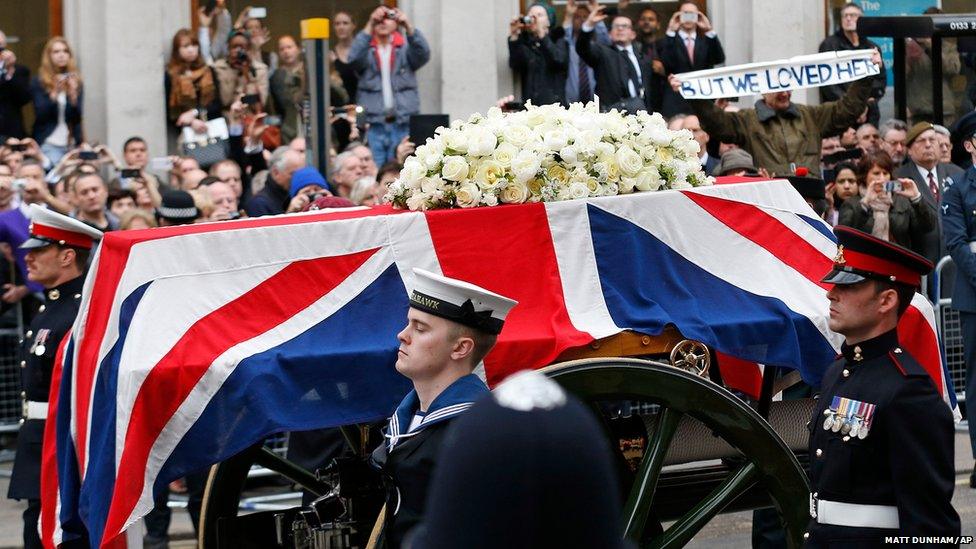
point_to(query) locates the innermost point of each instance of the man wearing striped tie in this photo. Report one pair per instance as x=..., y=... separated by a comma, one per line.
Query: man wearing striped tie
x=881, y=437
x=451, y=326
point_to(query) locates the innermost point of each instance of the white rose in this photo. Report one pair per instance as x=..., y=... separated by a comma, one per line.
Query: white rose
x=587, y=140
x=489, y=174
x=515, y=193
x=517, y=134
x=578, y=189
x=481, y=141
x=468, y=195
x=534, y=117
x=455, y=168
x=455, y=140
x=429, y=157
x=504, y=154
x=525, y=166
x=628, y=161
x=647, y=180
x=417, y=201
x=489, y=199
x=627, y=185
x=411, y=173
x=430, y=185
x=569, y=154
x=555, y=139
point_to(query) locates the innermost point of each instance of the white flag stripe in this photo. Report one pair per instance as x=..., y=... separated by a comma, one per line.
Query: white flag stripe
x=194, y=404
x=711, y=244
x=161, y=321
x=578, y=273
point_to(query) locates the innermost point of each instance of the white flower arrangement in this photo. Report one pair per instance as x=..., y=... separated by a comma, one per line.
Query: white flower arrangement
x=545, y=154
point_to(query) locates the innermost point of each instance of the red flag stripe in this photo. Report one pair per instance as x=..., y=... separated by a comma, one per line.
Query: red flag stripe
x=468, y=242
x=49, y=457
x=288, y=292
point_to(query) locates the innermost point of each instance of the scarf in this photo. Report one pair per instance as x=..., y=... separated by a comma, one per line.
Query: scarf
x=191, y=89
x=879, y=207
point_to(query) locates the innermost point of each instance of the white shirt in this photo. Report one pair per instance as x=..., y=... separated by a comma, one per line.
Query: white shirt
x=385, y=52
x=704, y=159
x=633, y=61
x=925, y=175
x=59, y=137
x=415, y=421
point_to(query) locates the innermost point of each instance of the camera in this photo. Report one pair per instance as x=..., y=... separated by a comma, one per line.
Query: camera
x=241, y=56
x=17, y=147
x=527, y=20
x=689, y=17
x=129, y=173
x=88, y=155
x=391, y=14
x=892, y=186
x=19, y=184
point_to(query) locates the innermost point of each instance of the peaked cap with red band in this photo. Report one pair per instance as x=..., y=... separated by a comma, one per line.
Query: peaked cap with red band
x=48, y=227
x=861, y=256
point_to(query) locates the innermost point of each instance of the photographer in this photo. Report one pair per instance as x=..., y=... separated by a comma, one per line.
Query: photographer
x=190, y=85
x=690, y=44
x=14, y=92
x=385, y=61
x=58, y=98
x=288, y=87
x=541, y=60
x=890, y=210
x=242, y=82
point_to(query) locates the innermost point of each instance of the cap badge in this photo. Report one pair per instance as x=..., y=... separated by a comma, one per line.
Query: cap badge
x=839, y=258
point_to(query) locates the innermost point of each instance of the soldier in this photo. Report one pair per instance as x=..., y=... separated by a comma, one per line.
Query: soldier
x=451, y=326
x=881, y=438
x=959, y=227
x=58, y=253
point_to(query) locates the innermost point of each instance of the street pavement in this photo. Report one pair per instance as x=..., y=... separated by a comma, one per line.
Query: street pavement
x=725, y=531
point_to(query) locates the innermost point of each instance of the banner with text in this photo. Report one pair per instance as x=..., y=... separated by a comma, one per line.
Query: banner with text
x=795, y=73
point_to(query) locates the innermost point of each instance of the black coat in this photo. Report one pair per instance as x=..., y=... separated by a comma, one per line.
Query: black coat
x=408, y=470
x=37, y=352
x=908, y=223
x=839, y=42
x=674, y=55
x=611, y=72
x=933, y=247
x=46, y=114
x=273, y=199
x=542, y=65
x=14, y=94
x=904, y=461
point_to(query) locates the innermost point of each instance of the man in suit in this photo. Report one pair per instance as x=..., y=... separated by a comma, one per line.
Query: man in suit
x=932, y=179
x=14, y=93
x=690, y=44
x=623, y=74
x=692, y=124
x=451, y=326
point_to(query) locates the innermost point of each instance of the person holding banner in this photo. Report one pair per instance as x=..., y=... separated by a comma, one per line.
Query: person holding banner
x=847, y=38
x=781, y=135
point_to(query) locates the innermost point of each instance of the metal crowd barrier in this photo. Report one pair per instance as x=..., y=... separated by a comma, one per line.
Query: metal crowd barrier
x=950, y=329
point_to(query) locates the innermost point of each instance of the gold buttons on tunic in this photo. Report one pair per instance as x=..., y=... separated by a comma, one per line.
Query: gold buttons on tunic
x=846, y=373
x=41, y=308
x=819, y=452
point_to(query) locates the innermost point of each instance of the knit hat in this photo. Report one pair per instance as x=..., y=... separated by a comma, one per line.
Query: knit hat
x=305, y=177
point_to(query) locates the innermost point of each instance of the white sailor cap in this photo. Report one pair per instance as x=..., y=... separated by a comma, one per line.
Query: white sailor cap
x=459, y=301
x=48, y=227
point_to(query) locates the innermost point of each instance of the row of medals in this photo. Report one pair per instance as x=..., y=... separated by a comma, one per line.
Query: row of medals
x=852, y=425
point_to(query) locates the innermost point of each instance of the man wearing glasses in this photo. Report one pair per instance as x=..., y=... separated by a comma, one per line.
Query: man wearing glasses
x=623, y=73
x=846, y=38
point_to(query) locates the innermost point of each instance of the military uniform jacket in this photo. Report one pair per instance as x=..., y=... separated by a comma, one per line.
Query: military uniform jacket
x=37, y=351
x=409, y=456
x=959, y=228
x=896, y=448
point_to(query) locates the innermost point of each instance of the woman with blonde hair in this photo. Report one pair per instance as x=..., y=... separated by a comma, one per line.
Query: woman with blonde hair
x=58, y=96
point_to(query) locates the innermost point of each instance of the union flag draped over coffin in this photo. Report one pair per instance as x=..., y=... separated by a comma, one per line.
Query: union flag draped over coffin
x=194, y=343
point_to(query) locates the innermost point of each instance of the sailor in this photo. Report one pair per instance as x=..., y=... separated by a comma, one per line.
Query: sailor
x=451, y=326
x=58, y=250
x=881, y=437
